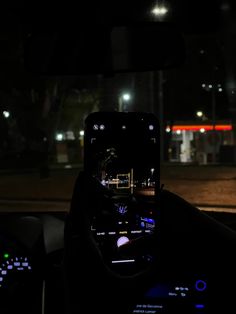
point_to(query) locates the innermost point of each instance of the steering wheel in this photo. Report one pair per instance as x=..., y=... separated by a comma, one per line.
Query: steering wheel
x=190, y=260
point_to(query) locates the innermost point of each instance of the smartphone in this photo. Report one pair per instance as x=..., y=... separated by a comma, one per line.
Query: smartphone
x=122, y=153
x=121, y=150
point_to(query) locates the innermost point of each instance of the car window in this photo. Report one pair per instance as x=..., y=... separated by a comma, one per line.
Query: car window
x=42, y=116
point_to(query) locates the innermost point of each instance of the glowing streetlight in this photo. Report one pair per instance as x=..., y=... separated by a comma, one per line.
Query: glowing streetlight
x=126, y=97
x=81, y=133
x=122, y=99
x=159, y=11
x=199, y=114
x=59, y=137
x=6, y=114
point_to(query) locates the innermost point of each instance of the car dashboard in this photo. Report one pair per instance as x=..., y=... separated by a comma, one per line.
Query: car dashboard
x=33, y=263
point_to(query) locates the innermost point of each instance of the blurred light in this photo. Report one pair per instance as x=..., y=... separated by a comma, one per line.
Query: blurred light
x=159, y=10
x=203, y=85
x=81, y=132
x=202, y=130
x=102, y=127
x=6, y=114
x=210, y=85
x=199, y=114
x=199, y=306
x=220, y=89
x=123, y=127
x=178, y=131
x=6, y=255
x=151, y=127
x=59, y=137
x=68, y=166
x=126, y=96
x=95, y=127
x=70, y=135
x=168, y=129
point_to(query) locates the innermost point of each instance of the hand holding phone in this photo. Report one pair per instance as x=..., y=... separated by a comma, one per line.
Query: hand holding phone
x=122, y=153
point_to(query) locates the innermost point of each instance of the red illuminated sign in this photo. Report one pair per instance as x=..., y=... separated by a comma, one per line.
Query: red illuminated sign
x=218, y=127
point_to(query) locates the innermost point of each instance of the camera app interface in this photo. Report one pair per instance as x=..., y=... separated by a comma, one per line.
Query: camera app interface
x=123, y=154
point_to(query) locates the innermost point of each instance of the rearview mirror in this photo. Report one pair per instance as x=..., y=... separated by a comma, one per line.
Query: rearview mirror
x=104, y=49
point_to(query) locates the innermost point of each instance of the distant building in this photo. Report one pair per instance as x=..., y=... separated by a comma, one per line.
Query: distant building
x=202, y=143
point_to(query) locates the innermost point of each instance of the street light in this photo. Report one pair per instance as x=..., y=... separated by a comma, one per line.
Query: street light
x=59, y=137
x=122, y=99
x=6, y=114
x=126, y=97
x=81, y=133
x=159, y=11
x=199, y=114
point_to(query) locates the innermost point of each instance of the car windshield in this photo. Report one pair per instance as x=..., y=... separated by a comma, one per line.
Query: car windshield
x=42, y=116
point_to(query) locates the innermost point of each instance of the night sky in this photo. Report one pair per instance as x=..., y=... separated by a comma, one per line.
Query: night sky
x=209, y=28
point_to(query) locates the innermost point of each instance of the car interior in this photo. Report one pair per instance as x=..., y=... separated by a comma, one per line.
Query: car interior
x=126, y=244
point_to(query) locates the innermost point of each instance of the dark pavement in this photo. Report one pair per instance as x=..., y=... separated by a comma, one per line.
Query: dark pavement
x=209, y=187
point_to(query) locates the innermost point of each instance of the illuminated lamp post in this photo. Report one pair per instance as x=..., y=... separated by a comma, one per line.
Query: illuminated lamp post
x=159, y=12
x=123, y=99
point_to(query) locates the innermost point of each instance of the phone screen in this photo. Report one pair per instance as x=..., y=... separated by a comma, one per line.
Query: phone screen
x=122, y=151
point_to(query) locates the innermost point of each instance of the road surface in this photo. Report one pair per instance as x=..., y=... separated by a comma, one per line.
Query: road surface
x=205, y=186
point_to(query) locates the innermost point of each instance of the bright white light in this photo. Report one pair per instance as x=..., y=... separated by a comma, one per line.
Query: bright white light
x=81, y=132
x=203, y=85
x=210, y=86
x=123, y=127
x=202, y=130
x=151, y=127
x=178, y=131
x=159, y=10
x=126, y=97
x=95, y=127
x=199, y=114
x=59, y=137
x=220, y=89
x=102, y=127
x=6, y=114
x=168, y=129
